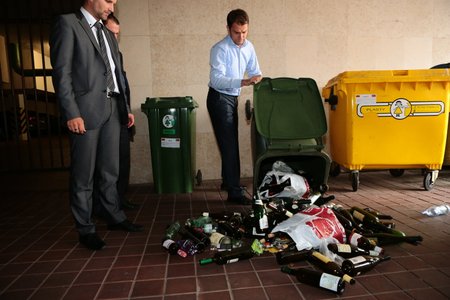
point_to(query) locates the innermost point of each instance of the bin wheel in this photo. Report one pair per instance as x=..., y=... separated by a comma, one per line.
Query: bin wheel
x=199, y=177
x=335, y=169
x=428, y=181
x=397, y=172
x=355, y=180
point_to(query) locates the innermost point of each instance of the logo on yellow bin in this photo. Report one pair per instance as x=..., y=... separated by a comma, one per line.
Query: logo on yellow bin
x=401, y=108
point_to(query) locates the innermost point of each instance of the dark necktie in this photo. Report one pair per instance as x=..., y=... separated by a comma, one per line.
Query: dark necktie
x=101, y=42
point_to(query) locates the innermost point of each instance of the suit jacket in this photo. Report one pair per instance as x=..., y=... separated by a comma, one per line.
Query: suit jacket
x=79, y=72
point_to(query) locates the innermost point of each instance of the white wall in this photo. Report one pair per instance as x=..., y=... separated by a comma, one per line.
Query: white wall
x=166, y=47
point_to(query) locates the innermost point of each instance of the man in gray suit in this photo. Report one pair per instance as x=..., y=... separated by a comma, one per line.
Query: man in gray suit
x=90, y=88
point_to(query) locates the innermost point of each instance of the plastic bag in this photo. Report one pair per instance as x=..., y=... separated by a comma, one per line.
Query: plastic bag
x=282, y=184
x=437, y=210
x=311, y=226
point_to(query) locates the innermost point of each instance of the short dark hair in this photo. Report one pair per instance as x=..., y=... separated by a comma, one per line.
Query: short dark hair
x=238, y=16
x=112, y=17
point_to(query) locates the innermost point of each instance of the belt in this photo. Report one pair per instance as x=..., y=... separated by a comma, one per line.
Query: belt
x=112, y=95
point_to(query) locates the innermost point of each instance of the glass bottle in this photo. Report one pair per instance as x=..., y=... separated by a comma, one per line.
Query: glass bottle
x=347, y=250
x=356, y=239
x=260, y=215
x=327, y=265
x=316, y=278
x=383, y=239
x=188, y=246
x=172, y=230
x=220, y=241
x=359, y=264
x=187, y=235
x=228, y=257
x=287, y=257
x=173, y=248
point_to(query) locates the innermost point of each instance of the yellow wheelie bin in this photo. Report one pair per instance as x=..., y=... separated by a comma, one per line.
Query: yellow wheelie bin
x=388, y=119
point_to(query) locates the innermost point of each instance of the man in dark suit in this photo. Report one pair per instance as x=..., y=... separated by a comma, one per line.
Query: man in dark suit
x=90, y=88
x=126, y=134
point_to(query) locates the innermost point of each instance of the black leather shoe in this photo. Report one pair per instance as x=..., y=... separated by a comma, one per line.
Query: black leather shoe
x=126, y=226
x=92, y=241
x=129, y=205
x=240, y=200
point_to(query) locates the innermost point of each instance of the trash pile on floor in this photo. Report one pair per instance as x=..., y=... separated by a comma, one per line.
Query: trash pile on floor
x=295, y=224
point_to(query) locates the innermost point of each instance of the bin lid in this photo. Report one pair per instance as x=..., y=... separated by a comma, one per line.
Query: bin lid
x=169, y=102
x=419, y=75
x=288, y=108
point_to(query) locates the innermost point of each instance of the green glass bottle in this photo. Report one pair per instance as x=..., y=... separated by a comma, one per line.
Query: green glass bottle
x=229, y=257
x=383, y=238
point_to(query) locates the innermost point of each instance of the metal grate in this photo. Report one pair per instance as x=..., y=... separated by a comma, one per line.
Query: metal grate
x=31, y=134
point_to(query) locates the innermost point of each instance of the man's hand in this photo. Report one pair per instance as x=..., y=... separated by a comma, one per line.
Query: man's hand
x=251, y=81
x=76, y=125
x=130, y=120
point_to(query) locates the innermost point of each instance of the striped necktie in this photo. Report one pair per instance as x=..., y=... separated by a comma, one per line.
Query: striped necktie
x=101, y=42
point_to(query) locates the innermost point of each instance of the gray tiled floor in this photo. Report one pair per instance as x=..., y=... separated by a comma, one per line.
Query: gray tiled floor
x=40, y=257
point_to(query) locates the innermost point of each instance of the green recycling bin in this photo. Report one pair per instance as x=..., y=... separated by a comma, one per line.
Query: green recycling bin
x=171, y=122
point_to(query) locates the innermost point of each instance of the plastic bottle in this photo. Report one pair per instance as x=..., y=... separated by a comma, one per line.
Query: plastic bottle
x=437, y=210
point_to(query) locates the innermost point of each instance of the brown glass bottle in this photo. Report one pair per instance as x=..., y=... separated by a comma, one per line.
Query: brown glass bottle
x=327, y=265
x=347, y=250
x=287, y=257
x=359, y=264
x=316, y=278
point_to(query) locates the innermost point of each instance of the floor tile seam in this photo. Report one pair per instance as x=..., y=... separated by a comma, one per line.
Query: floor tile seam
x=17, y=277
x=79, y=273
x=259, y=279
x=418, y=289
x=135, y=279
x=385, y=275
x=25, y=249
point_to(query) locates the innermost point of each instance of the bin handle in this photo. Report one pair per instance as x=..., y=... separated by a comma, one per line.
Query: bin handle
x=400, y=72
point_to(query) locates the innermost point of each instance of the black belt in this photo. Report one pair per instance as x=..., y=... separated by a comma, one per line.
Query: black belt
x=112, y=95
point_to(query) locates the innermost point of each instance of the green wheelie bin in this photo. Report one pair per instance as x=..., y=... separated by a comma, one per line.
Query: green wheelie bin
x=171, y=122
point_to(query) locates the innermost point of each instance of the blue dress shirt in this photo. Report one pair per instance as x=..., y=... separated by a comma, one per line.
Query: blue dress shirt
x=229, y=63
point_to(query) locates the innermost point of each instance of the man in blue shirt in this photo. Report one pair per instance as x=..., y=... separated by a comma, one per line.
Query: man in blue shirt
x=230, y=59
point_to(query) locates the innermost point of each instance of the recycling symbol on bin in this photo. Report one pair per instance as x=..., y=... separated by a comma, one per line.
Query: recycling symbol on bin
x=168, y=121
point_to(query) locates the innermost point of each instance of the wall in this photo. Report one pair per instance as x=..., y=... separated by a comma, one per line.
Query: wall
x=166, y=50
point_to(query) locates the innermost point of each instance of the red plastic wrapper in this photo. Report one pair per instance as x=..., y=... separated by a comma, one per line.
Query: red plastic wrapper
x=310, y=227
x=325, y=223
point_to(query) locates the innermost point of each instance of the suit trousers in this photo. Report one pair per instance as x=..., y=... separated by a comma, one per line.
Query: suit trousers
x=96, y=151
x=124, y=162
x=222, y=110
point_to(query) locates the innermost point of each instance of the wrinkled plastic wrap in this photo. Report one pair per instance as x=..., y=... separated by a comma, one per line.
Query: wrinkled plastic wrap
x=310, y=227
x=282, y=184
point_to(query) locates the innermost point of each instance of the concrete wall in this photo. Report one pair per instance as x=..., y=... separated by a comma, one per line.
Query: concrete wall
x=166, y=47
